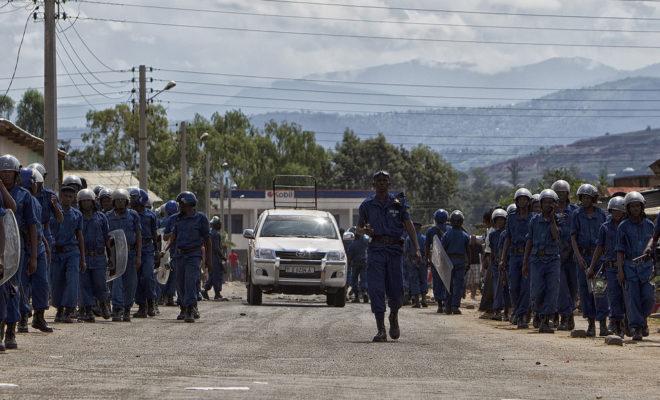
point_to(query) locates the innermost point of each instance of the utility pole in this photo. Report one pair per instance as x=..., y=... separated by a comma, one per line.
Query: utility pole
x=142, y=136
x=207, y=183
x=222, y=195
x=184, y=156
x=51, y=160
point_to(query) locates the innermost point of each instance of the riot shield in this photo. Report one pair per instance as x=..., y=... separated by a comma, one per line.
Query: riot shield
x=118, y=255
x=163, y=273
x=10, y=259
x=165, y=258
x=441, y=262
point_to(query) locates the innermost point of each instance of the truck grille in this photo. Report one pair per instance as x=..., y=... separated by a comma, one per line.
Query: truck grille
x=313, y=275
x=295, y=255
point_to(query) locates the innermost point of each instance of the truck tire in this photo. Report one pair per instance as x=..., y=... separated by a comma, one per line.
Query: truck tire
x=254, y=295
x=340, y=297
x=330, y=299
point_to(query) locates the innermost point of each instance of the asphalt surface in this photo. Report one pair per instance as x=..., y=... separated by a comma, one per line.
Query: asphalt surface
x=293, y=349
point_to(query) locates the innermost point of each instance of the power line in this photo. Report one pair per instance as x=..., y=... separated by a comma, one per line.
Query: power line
x=18, y=53
x=412, y=105
x=413, y=113
x=90, y=50
x=375, y=37
x=410, y=95
x=400, y=84
x=470, y=12
x=59, y=86
x=74, y=83
x=380, y=21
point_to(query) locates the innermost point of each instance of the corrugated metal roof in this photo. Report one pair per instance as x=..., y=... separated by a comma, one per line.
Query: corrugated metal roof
x=22, y=137
x=112, y=180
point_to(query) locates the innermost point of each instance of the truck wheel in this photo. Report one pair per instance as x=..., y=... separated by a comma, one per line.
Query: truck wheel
x=330, y=299
x=253, y=295
x=340, y=297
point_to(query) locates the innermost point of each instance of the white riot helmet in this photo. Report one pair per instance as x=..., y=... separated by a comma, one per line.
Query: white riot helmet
x=587, y=190
x=522, y=192
x=39, y=167
x=561, y=186
x=499, y=213
x=72, y=181
x=617, y=203
x=86, y=194
x=549, y=194
x=511, y=208
x=536, y=198
x=120, y=194
x=634, y=197
x=38, y=177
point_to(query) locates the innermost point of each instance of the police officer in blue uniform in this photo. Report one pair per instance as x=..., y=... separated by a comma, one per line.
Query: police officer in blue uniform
x=123, y=288
x=440, y=218
x=145, y=294
x=49, y=203
x=585, y=224
x=542, y=261
x=68, y=256
x=517, y=225
x=635, y=264
x=105, y=200
x=605, y=248
x=356, y=255
x=34, y=284
x=190, y=234
x=416, y=270
x=93, y=287
x=384, y=217
x=217, y=273
x=568, y=272
x=500, y=288
x=27, y=225
x=456, y=242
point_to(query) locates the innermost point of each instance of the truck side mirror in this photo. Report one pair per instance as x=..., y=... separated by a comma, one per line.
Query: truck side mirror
x=349, y=236
x=248, y=234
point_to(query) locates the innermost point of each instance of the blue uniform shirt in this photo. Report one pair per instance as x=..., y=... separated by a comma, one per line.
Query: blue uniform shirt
x=216, y=247
x=129, y=222
x=409, y=249
x=64, y=233
x=543, y=245
x=41, y=248
x=149, y=224
x=47, y=209
x=516, y=230
x=564, y=223
x=495, y=243
x=585, y=227
x=632, y=238
x=386, y=218
x=168, y=223
x=25, y=212
x=95, y=232
x=657, y=225
x=190, y=233
x=607, y=239
x=456, y=242
x=357, y=250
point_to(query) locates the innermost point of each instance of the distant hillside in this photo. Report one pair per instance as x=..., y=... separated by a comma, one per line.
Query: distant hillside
x=609, y=153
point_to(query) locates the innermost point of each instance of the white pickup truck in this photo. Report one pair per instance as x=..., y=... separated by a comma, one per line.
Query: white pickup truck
x=294, y=251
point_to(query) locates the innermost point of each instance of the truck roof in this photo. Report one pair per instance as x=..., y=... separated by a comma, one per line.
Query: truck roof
x=294, y=211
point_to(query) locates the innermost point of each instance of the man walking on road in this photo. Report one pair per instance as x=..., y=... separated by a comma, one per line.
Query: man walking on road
x=384, y=217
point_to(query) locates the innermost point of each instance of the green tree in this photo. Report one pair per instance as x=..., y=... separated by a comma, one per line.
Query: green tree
x=570, y=175
x=30, y=112
x=6, y=107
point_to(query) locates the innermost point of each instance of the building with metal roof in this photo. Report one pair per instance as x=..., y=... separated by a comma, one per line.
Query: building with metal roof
x=113, y=180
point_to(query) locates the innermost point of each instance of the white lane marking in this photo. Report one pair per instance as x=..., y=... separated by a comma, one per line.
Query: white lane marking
x=56, y=356
x=236, y=388
x=260, y=383
x=8, y=385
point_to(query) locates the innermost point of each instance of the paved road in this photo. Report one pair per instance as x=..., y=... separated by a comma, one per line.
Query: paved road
x=295, y=350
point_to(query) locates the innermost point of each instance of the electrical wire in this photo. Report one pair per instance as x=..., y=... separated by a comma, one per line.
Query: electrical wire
x=75, y=84
x=18, y=53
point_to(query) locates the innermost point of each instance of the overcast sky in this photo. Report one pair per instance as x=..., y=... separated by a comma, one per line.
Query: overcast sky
x=121, y=45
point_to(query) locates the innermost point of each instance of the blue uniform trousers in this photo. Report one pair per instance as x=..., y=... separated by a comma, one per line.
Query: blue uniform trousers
x=615, y=294
x=145, y=276
x=385, y=277
x=3, y=302
x=35, y=286
x=216, y=278
x=359, y=277
x=567, y=287
x=457, y=285
x=93, y=287
x=500, y=291
x=640, y=293
x=519, y=286
x=187, y=277
x=592, y=307
x=169, y=288
x=66, y=278
x=439, y=290
x=544, y=290
x=417, y=278
x=123, y=288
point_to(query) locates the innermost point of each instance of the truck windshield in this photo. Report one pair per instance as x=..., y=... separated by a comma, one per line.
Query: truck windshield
x=298, y=226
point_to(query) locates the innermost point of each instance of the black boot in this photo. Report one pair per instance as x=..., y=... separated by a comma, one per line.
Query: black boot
x=141, y=312
x=67, y=316
x=151, y=308
x=415, y=302
x=188, y=315
x=536, y=322
x=105, y=310
x=96, y=310
x=381, y=336
x=195, y=312
x=90, y=314
x=22, y=326
x=441, y=309
x=170, y=301
x=522, y=322
x=59, y=314
x=182, y=314
x=127, y=315
x=591, y=330
x=2, y=337
x=39, y=322
x=394, y=325
x=10, y=337
x=356, y=299
x=544, y=326
x=117, y=314
x=205, y=295
x=634, y=332
x=571, y=322
x=645, y=328
x=603, y=331
x=555, y=321
x=563, y=323
x=424, y=303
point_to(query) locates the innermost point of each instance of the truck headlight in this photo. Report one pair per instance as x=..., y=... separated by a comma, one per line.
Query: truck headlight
x=266, y=254
x=335, y=256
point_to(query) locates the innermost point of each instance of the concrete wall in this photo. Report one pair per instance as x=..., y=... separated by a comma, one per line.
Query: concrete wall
x=24, y=154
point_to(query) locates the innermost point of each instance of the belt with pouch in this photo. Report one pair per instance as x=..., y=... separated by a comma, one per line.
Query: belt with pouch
x=389, y=240
x=518, y=250
x=186, y=250
x=95, y=253
x=64, y=249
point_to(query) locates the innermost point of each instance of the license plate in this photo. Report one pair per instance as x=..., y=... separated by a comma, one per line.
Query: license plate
x=300, y=270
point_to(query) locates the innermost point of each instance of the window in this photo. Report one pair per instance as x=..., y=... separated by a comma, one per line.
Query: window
x=298, y=226
x=236, y=223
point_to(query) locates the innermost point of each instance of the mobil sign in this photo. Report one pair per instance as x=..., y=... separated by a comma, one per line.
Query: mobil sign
x=281, y=194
